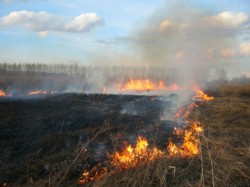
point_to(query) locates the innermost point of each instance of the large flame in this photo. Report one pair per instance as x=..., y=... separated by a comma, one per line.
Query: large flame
x=141, y=85
x=134, y=156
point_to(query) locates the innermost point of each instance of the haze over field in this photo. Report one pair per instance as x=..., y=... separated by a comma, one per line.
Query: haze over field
x=196, y=37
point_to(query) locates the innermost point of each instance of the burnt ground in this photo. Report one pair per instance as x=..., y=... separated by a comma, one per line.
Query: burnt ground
x=40, y=136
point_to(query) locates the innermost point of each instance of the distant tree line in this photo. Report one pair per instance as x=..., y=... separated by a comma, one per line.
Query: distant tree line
x=61, y=76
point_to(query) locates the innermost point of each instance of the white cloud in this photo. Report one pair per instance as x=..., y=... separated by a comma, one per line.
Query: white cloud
x=230, y=19
x=228, y=53
x=245, y=48
x=83, y=22
x=43, y=22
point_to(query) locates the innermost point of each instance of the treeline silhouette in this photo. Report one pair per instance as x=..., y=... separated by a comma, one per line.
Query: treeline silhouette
x=61, y=77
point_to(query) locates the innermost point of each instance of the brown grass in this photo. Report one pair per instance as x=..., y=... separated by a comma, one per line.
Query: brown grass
x=233, y=90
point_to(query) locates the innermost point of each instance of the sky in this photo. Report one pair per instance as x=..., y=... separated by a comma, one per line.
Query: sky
x=207, y=33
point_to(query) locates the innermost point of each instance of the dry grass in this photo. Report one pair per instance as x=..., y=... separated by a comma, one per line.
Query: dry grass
x=226, y=123
x=225, y=158
x=163, y=172
x=233, y=90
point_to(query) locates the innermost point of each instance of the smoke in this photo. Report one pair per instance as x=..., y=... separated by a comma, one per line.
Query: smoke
x=188, y=37
x=181, y=42
x=192, y=40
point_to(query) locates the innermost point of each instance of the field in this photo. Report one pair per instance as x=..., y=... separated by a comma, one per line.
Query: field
x=124, y=93
x=51, y=140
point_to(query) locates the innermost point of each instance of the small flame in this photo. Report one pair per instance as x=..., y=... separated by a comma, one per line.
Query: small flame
x=104, y=90
x=184, y=112
x=38, y=92
x=2, y=93
x=42, y=92
x=95, y=175
x=201, y=95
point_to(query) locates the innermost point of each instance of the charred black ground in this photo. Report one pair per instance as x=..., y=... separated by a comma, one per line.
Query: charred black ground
x=41, y=135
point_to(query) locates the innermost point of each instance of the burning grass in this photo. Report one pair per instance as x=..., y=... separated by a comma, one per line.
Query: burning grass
x=223, y=158
x=222, y=151
x=140, y=85
x=142, y=154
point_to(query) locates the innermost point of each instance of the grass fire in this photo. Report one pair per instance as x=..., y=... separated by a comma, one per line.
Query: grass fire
x=124, y=93
x=142, y=153
x=134, y=134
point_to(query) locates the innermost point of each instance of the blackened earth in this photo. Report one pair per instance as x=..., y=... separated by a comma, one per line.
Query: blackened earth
x=40, y=136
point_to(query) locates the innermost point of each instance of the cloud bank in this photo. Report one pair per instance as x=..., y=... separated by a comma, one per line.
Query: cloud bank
x=43, y=22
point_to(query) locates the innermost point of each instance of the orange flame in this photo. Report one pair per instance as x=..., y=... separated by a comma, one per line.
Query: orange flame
x=140, y=85
x=96, y=175
x=131, y=157
x=184, y=112
x=2, y=93
x=38, y=92
x=200, y=95
x=191, y=142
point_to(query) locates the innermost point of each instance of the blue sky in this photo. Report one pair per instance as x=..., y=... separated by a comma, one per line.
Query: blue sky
x=100, y=32
x=119, y=18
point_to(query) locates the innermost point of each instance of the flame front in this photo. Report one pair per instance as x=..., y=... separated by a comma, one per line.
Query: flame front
x=131, y=157
x=34, y=92
x=128, y=158
x=140, y=85
x=143, y=153
x=191, y=142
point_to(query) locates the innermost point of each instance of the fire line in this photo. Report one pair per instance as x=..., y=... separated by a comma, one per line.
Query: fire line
x=142, y=153
x=141, y=85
